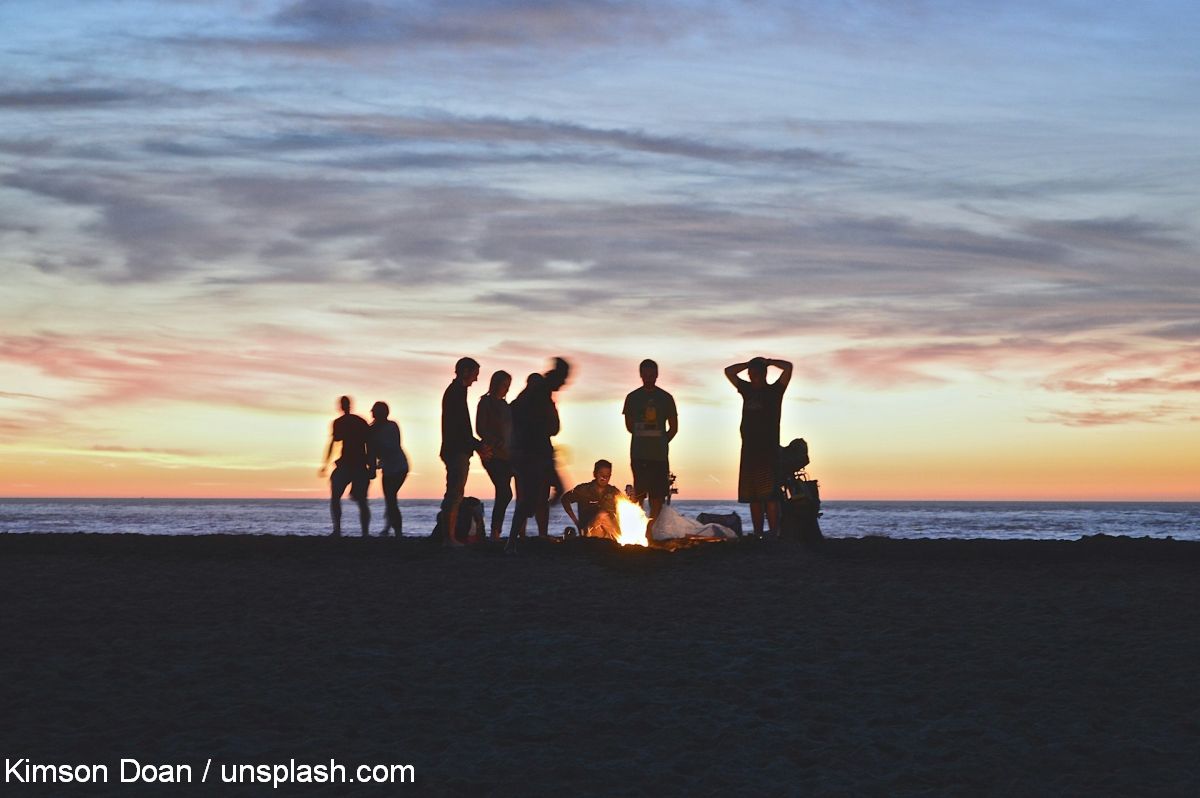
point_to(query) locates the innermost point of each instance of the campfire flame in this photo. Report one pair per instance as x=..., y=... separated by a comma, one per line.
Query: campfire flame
x=632, y=522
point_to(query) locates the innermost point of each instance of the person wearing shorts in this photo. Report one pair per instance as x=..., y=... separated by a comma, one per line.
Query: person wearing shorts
x=354, y=467
x=652, y=421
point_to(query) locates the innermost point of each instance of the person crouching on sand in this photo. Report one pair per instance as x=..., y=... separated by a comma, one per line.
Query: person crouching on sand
x=355, y=467
x=597, y=502
x=389, y=454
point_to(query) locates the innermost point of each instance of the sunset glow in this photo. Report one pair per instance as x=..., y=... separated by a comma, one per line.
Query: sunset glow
x=972, y=228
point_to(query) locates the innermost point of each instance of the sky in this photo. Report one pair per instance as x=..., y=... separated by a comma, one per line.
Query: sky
x=973, y=227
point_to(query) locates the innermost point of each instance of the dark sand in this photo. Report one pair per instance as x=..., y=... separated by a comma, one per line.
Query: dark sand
x=871, y=667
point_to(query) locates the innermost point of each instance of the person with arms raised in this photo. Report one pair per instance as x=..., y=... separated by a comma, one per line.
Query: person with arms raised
x=758, y=471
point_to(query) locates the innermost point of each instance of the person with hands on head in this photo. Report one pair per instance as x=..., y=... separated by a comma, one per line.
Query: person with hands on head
x=758, y=471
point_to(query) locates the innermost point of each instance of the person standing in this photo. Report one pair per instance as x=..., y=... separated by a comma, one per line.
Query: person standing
x=493, y=423
x=758, y=471
x=535, y=421
x=458, y=443
x=354, y=467
x=389, y=454
x=652, y=422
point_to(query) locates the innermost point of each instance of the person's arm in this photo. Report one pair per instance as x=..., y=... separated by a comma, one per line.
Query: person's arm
x=786, y=368
x=628, y=418
x=672, y=427
x=324, y=469
x=732, y=372
x=485, y=421
x=333, y=436
x=372, y=453
x=567, y=498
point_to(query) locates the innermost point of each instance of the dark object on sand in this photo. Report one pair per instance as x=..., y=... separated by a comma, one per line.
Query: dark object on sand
x=801, y=496
x=793, y=458
x=470, y=522
x=730, y=520
x=801, y=511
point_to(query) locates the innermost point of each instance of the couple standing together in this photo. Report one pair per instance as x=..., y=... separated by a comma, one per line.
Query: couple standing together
x=366, y=449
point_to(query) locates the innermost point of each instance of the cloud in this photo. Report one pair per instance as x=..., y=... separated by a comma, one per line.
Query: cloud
x=66, y=98
x=491, y=131
x=1138, y=385
x=1108, y=232
x=503, y=24
x=110, y=370
x=1158, y=414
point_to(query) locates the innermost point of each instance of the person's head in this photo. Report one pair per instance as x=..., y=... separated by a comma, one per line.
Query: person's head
x=466, y=370
x=533, y=381
x=756, y=369
x=500, y=383
x=602, y=471
x=557, y=376
x=379, y=411
x=649, y=372
x=344, y=404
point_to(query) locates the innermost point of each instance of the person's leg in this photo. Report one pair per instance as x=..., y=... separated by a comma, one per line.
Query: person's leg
x=773, y=517
x=358, y=492
x=456, y=483
x=541, y=498
x=658, y=484
x=391, y=484
x=756, y=517
x=637, y=468
x=523, y=509
x=337, y=486
x=501, y=474
x=397, y=518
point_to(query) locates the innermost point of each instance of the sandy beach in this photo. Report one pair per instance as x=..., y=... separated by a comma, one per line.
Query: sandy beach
x=868, y=667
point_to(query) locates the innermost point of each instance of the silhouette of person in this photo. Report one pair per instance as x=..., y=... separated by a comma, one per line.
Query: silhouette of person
x=758, y=472
x=652, y=422
x=354, y=467
x=389, y=454
x=458, y=443
x=597, y=501
x=535, y=421
x=493, y=423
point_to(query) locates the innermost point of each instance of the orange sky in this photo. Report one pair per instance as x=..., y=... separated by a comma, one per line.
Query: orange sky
x=976, y=238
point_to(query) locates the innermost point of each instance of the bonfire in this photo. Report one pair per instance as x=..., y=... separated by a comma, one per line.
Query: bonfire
x=631, y=523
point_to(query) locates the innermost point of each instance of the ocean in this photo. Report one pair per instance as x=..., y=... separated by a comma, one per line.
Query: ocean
x=842, y=519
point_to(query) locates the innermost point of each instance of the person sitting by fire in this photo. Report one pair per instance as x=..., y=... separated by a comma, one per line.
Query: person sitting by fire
x=597, y=501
